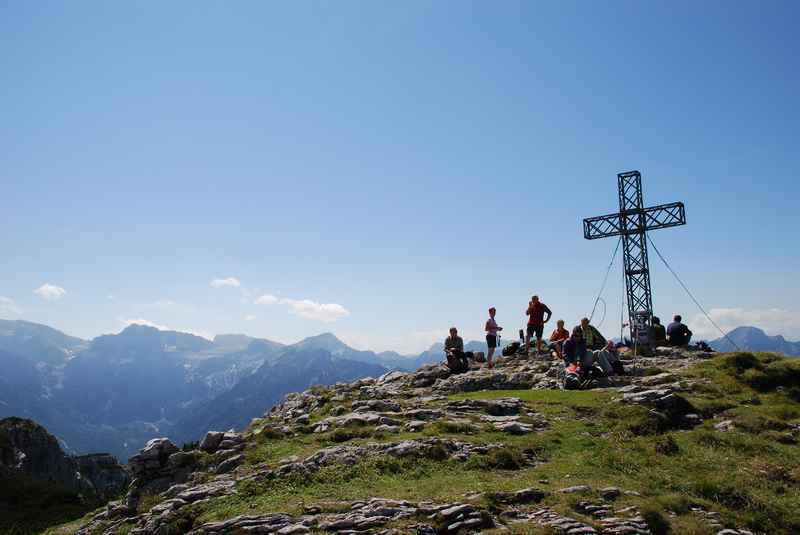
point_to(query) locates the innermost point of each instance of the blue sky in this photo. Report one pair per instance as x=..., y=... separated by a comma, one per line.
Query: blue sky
x=384, y=170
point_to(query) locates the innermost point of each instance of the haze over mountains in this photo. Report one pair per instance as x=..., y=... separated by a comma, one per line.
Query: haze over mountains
x=117, y=391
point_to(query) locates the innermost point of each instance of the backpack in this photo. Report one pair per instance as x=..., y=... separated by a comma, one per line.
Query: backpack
x=456, y=364
x=511, y=349
x=572, y=381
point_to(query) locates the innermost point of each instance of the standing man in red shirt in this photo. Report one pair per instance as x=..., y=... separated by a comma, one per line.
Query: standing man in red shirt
x=536, y=320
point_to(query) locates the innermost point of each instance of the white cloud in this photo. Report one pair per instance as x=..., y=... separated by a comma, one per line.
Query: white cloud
x=249, y=317
x=306, y=308
x=232, y=282
x=266, y=299
x=50, y=292
x=772, y=320
x=160, y=327
x=325, y=312
x=163, y=303
x=8, y=307
x=144, y=322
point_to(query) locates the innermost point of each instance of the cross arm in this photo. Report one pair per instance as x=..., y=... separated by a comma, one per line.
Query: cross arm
x=635, y=221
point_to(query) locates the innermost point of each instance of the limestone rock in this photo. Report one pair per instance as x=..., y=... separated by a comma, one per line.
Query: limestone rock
x=575, y=489
x=211, y=441
x=513, y=428
x=724, y=426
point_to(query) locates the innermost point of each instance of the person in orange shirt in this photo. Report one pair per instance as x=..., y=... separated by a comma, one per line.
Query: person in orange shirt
x=560, y=334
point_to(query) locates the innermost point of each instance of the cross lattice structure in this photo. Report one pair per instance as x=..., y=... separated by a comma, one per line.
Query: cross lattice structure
x=632, y=222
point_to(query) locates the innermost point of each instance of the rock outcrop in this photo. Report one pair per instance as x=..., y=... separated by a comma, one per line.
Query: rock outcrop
x=403, y=420
x=27, y=450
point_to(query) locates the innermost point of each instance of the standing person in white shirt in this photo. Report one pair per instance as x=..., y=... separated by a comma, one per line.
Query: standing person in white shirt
x=491, y=336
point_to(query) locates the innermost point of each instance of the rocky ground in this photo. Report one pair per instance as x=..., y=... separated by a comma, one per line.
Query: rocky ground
x=493, y=451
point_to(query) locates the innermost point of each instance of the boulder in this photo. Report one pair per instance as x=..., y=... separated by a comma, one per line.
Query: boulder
x=513, y=428
x=211, y=441
x=576, y=489
x=610, y=493
x=724, y=426
x=229, y=464
x=180, y=458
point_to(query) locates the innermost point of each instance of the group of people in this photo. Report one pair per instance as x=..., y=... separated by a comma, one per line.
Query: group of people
x=585, y=352
x=676, y=334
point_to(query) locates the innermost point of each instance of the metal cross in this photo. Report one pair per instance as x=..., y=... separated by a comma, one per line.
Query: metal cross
x=632, y=222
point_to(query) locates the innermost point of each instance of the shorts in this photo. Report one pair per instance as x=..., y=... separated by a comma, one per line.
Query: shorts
x=535, y=329
x=491, y=341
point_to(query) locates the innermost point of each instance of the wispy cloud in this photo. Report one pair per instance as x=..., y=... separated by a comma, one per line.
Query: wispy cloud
x=306, y=308
x=772, y=320
x=144, y=322
x=266, y=299
x=231, y=282
x=50, y=292
x=8, y=307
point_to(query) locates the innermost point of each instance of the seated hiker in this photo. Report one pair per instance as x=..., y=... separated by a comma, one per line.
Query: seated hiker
x=579, y=362
x=678, y=334
x=592, y=337
x=658, y=334
x=558, y=337
x=574, y=349
x=608, y=360
x=454, y=351
x=590, y=369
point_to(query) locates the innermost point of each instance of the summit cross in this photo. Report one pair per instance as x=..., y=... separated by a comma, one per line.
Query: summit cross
x=632, y=223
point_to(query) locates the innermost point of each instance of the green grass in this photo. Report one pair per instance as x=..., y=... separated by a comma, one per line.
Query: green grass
x=381, y=476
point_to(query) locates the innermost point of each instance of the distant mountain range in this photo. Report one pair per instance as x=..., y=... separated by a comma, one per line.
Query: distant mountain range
x=754, y=339
x=115, y=392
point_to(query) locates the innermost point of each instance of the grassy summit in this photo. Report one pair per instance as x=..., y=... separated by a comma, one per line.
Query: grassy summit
x=738, y=468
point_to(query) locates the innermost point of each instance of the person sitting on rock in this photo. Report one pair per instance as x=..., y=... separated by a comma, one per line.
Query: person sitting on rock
x=454, y=351
x=558, y=337
x=590, y=368
x=592, y=337
x=678, y=334
x=574, y=349
x=608, y=360
x=658, y=334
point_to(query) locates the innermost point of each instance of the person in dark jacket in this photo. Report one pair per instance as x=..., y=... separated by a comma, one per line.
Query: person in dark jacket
x=658, y=334
x=678, y=334
x=574, y=349
x=454, y=351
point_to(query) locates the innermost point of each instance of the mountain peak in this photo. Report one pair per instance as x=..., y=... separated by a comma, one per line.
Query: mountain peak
x=755, y=339
x=327, y=341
